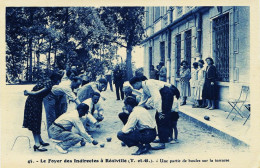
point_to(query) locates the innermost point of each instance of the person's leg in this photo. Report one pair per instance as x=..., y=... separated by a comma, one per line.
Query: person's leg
x=36, y=139
x=130, y=139
x=212, y=104
x=117, y=92
x=38, y=146
x=121, y=91
x=110, y=83
x=208, y=103
x=123, y=117
x=50, y=110
x=69, y=139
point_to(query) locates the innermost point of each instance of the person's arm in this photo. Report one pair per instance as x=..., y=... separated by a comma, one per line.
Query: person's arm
x=79, y=126
x=156, y=96
x=26, y=92
x=131, y=123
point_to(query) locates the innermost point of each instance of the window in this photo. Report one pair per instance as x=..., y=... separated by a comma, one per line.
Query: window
x=157, y=13
x=188, y=47
x=150, y=56
x=162, y=51
x=179, y=11
x=178, y=54
x=221, y=46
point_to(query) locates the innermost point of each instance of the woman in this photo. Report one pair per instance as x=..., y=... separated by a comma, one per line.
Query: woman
x=193, y=83
x=184, y=82
x=201, y=81
x=33, y=110
x=209, y=89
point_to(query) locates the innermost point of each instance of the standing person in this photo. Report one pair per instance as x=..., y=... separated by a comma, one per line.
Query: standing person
x=193, y=84
x=162, y=94
x=119, y=81
x=140, y=128
x=61, y=129
x=52, y=104
x=184, y=81
x=108, y=75
x=87, y=90
x=209, y=89
x=174, y=120
x=33, y=110
x=201, y=81
x=162, y=72
x=153, y=72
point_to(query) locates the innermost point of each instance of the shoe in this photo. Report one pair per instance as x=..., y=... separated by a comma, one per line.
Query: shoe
x=140, y=151
x=174, y=141
x=123, y=144
x=44, y=144
x=61, y=150
x=208, y=107
x=39, y=148
x=211, y=108
x=183, y=103
x=170, y=139
x=159, y=147
x=157, y=141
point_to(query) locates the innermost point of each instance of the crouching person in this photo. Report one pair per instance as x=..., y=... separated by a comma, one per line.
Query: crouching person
x=140, y=128
x=61, y=129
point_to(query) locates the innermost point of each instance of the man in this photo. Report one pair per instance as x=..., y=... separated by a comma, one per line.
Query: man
x=61, y=129
x=86, y=91
x=140, y=128
x=95, y=107
x=55, y=103
x=119, y=81
x=162, y=95
x=162, y=72
x=128, y=93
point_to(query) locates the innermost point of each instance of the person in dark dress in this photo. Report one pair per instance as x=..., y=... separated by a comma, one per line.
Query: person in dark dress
x=119, y=81
x=209, y=89
x=33, y=109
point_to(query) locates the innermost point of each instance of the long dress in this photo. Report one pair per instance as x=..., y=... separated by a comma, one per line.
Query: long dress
x=193, y=83
x=33, y=110
x=201, y=81
x=185, y=84
x=209, y=91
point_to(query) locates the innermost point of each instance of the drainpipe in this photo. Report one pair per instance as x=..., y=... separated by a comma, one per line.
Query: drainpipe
x=169, y=50
x=199, y=33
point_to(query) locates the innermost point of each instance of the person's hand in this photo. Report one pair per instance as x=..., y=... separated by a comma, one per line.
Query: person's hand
x=26, y=92
x=94, y=142
x=212, y=83
x=161, y=116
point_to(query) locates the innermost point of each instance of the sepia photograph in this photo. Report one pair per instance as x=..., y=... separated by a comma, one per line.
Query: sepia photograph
x=146, y=86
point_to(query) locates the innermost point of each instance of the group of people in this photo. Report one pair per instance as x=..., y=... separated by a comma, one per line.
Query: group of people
x=200, y=84
x=64, y=87
x=69, y=127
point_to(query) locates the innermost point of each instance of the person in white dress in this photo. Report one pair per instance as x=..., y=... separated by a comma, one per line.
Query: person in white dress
x=193, y=83
x=200, y=84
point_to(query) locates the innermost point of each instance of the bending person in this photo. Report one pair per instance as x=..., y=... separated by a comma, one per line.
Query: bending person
x=140, y=128
x=162, y=95
x=61, y=129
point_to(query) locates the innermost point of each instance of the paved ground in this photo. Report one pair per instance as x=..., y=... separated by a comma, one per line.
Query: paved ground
x=193, y=139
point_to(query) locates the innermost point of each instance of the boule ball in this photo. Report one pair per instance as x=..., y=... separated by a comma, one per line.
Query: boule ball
x=206, y=118
x=109, y=139
x=102, y=145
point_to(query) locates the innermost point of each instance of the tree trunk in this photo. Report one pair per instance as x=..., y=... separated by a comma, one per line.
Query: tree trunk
x=30, y=52
x=129, y=71
x=49, y=58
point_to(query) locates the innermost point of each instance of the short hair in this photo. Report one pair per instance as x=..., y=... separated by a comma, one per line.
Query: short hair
x=102, y=80
x=201, y=61
x=195, y=65
x=55, y=77
x=96, y=94
x=83, y=106
x=210, y=60
x=134, y=79
x=76, y=78
x=161, y=63
x=182, y=62
x=127, y=88
x=130, y=101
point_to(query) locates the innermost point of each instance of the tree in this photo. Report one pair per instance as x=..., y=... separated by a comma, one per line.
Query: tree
x=127, y=25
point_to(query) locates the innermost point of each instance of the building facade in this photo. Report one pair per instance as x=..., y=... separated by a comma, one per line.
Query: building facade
x=193, y=33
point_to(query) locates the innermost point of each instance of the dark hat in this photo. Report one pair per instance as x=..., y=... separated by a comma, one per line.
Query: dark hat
x=135, y=79
x=102, y=80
